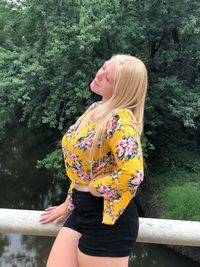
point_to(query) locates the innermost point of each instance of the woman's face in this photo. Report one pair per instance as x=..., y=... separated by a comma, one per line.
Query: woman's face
x=104, y=80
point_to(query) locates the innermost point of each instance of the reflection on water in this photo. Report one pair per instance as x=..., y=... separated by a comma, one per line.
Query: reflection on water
x=25, y=251
x=147, y=255
x=22, y=186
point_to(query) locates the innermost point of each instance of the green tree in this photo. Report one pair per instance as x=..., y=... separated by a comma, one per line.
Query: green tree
x=51, y=49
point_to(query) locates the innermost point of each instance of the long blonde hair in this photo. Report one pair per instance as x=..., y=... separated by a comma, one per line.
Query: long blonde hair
x=129, y=92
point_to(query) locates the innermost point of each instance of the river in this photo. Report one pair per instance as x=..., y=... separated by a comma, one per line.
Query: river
x=22, y=186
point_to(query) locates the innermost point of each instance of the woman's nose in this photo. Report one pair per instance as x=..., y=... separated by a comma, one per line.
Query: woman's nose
x=99, y=75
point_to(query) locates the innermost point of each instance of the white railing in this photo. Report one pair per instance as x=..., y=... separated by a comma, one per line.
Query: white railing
x=161, y=231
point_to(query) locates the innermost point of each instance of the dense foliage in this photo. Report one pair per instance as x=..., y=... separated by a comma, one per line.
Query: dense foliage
x=50, y=50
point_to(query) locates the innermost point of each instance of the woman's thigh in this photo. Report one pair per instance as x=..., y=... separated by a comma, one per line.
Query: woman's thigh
x=91, y=261
x=64, y=249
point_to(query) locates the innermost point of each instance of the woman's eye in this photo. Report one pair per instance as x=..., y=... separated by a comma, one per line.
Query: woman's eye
x=107, y=78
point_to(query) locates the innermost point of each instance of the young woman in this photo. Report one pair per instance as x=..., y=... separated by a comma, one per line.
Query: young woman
x=103, y=159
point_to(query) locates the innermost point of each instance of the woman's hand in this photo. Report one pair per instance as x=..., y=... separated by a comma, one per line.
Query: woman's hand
x=91, y=187
x=55, y=214
x=93, y=190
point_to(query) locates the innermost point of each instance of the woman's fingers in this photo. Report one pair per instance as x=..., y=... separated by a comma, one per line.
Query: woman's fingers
x=51, y=208
x=47, y=219
x=45, y=214
x=54, y=214
x=52, y=217
x=48, y=216
x=59, y=219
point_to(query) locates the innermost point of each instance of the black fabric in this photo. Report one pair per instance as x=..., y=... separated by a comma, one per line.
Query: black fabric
x=99, y=239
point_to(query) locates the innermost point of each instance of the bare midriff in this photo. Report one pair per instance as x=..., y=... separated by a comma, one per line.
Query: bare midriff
x=81, y=187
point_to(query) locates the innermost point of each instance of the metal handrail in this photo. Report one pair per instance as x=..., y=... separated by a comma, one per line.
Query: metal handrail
x=160, y=231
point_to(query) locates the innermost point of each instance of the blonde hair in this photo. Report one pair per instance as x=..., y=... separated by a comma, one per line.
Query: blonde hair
x=129, y=92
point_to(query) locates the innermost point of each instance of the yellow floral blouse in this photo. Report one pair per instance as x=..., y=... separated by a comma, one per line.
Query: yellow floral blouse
x=121, y=162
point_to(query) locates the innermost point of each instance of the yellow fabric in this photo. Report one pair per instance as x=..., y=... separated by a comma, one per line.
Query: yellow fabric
x=121, y=161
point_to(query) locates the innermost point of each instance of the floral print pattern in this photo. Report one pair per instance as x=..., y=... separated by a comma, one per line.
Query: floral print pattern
x=112, y=125
x=127, y=148
x=108, y=192
x=121, y=163
x=85, y=144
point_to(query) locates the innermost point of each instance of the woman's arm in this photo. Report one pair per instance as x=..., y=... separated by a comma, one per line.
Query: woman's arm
x=125, y=146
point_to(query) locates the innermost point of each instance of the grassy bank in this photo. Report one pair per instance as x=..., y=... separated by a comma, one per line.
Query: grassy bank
x=178, y=194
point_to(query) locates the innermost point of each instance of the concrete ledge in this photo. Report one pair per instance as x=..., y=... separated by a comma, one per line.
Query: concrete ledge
x=160, y=231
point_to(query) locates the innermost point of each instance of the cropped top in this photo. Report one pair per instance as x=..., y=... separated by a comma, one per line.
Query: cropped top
x=121, y=161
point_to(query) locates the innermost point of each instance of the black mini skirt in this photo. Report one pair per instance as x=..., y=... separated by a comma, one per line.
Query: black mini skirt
x=98, y=239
